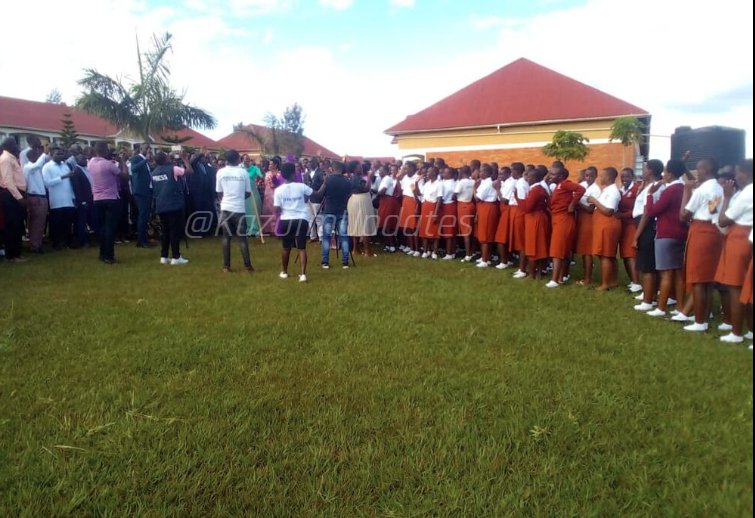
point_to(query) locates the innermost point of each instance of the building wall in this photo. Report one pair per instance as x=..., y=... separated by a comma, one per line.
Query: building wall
x=601, y=155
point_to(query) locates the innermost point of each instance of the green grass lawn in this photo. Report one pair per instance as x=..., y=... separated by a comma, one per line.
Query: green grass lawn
x=402, y=387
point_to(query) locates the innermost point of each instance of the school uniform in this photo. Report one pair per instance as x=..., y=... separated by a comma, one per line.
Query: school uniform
x=449, y=209
x=388, y=205
x=628, y=225
x=563, y=223
x=737, y=250
x=645, y=262
x=465, y=206
x=428, y=225
x=606, y=230
x=516, y=216
x=536, y=222
x=409, y=206
x=502, y=232
x=704, y=240
x=487, y=211
x=585, y=221
x=746, y=295
x=671, y=233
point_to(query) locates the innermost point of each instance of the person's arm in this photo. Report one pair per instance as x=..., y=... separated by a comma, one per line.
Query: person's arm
x=51, y=179
x=654, y=209
x=723, y=219
x=603, y=209
x=188, y=167
x=577, y=192
x=138, y=161
x=438, y=207
x=323, y=188
x=685, y=215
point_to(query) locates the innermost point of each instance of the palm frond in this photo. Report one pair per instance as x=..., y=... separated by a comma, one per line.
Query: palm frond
x=157, y=67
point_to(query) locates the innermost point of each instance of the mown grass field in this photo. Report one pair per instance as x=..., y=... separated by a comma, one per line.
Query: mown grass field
x=401, y=387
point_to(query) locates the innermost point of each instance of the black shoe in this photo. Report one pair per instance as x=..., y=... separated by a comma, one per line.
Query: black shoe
x=110, y=261
x=148, y=245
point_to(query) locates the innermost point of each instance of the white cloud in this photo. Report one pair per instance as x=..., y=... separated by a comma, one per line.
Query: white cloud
x=258, y=7
x=338, y=5
x=401, y=3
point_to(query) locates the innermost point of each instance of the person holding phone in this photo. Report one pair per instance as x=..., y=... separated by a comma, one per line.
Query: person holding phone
x=169, y=204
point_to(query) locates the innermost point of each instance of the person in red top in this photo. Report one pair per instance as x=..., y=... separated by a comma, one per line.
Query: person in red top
x=563, y=202
x=629, y=190
x=536, y=222
x=670, y=235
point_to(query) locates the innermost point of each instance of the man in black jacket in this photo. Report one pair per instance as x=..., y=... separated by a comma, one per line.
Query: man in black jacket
x=141, y=188
x=83, y=201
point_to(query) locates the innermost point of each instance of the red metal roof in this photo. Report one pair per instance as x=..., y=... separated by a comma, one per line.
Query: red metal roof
x=197, y=140
x=521, y=92
x=34, y=115
x=243, y=142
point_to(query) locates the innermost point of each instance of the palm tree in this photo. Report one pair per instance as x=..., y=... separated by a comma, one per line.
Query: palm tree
x=147, y=107
x=628, y=131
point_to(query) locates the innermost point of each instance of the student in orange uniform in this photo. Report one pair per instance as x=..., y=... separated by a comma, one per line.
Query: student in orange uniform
x=746, y=297
x=585, y=224
x=487, y=214
x=504, y=187
x=516, y=217
x=465, y=209
x=704, y=240
x=448, y=212
x=629, y=189
x=736, y=214
x=536, y=222
x=388, y=206
x=430, y=194
x=606, y=230
x=408, y=219
x=563, y=202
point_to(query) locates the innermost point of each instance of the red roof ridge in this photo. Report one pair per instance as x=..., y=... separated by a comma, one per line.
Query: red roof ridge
x=240, y=141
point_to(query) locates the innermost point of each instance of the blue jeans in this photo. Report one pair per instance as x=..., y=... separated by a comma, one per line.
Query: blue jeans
x=143, y=207
x=341, y=223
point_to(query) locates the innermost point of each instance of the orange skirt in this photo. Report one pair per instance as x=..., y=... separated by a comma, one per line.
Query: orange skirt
x=516, y=229
x=502, y=231
x=388, y=211
x=428, y=224
x=746, y=295
x=465, y=212
x=735, y=256
x=536, y=230
x=487, y=221
x=606, y=232
x=626, y=243
x=562, y=235
x=704, y=244
x=448, y=220
x=584, y=233
x=408, y=214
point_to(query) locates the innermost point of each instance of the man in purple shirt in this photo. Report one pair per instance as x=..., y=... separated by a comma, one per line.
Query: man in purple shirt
x=104, y=173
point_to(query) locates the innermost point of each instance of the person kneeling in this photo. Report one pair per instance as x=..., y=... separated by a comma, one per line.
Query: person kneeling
x=290, y=201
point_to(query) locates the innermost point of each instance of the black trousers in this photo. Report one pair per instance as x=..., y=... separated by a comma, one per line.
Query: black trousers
x=234, y=224
x=62, y=221
x=108, y=212
x=171, y=231
x=15, y=215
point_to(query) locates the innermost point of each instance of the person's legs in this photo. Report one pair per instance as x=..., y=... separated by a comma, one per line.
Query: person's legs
x=240, y=229
x=666, y=287
x=69, y=222
x=328, y=221
x=700, y=302
x=587, y=264
x=14, y=224
x=631, y=268
x=56, y=228
x=679, y=285
x=143, y=206
x=302, y=229
x=342, y=224
x=37, y=208
x=111, y=211
x=558, y=267
x=606, y=273
x=737, y=310
x=165, y=233
x=649, y=287
x=176, y=231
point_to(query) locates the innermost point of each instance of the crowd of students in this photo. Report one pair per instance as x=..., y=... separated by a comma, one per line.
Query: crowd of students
x=677, y=232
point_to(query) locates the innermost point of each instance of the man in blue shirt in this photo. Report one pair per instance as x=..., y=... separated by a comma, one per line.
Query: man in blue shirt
x=141, y=188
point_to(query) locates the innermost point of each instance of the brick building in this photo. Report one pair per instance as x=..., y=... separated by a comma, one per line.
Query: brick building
x=512, y=113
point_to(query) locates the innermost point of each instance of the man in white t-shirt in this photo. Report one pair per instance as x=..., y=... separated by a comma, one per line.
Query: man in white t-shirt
x=233, y=187
x=291, y=206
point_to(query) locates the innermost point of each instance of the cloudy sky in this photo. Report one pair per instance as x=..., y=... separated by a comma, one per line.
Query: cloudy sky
x=358, y=67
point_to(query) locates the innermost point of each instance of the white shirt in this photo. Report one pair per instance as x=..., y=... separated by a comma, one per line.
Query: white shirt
x=431, y=191
x=610, y=197
x=292, y=200
x=521, y=190
x=389, y=184
x=486, y=192
x=35, y=184
x=233, y=182
x=740, y=208
x=407, y=186
x=709, y=191
x=507, y=188
x=639, y=204
x=59, y=189
x=447, y=191
x=593, y=190
x=23, y=156
x=464, y=190
x=546, y=187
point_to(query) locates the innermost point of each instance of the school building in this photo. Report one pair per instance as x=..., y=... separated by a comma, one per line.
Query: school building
x=509, y=115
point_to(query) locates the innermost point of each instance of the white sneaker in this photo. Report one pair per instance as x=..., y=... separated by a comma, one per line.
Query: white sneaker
x=641, y=296
x=416, y=254
x=283, y=275
x=409, y=251
x=724, y=327
x=425, y=255
x=467, y=258
x=681, y=317
x=502, y=266
x=635, y=288
x=750, y=348
x=519, y=274
x=731, y=338
x=671, y=302
x=696, y=328
x=402, y=248
x=302, y=278
x=644, y=307
x=748, y=335
x=179, y=261
x=392, y=249
x=552, y=284
x=434, y=257
x=164, y=260
x=448, y=257
x=656, y=313
x=345, y=266
x=482, y=264
x=566, y=278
